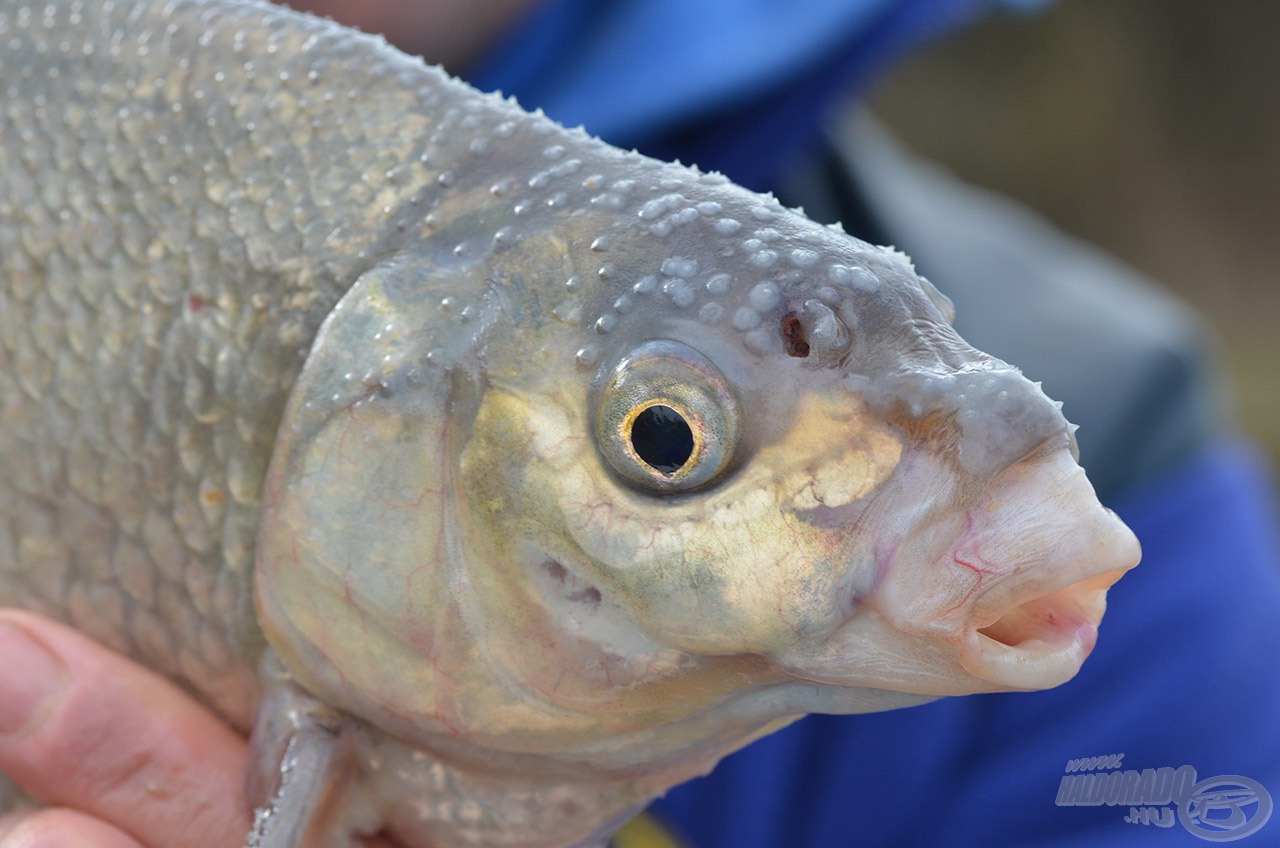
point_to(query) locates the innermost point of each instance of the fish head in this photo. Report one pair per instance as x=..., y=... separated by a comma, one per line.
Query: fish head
x=685, y=460
x=773, y=444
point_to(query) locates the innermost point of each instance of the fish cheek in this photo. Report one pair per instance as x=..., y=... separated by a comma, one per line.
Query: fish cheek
x=774, y=557
x=659, y=561
x=715, y=578
x=769, y=558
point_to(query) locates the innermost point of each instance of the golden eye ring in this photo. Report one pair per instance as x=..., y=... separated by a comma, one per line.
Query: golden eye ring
x=662, y=435
x=666, y=418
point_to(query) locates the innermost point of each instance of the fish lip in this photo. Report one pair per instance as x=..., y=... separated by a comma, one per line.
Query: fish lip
x=1042, y=638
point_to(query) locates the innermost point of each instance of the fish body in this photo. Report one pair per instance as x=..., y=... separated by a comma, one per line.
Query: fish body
x=551, y=472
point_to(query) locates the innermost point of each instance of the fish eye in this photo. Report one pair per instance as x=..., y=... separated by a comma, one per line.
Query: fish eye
x=666, y=418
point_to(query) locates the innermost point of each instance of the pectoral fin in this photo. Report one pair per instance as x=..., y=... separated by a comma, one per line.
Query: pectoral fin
x=302, y=772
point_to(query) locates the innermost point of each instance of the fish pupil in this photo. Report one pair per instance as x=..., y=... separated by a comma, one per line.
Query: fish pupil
x=662, y=438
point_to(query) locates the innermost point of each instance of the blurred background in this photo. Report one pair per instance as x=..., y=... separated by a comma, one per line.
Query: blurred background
x=1149, y=129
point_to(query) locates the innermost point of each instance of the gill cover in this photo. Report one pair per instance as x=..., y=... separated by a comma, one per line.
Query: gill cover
x=357, y=529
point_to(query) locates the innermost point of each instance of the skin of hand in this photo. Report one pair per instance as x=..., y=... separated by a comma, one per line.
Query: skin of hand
x=121, y=756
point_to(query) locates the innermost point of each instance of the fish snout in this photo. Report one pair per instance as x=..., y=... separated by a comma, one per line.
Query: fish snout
x=1001, y=586
x=1037, y=555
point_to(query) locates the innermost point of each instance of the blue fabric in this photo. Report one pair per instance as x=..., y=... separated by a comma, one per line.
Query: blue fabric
x=1184, y=673
x=739, y=86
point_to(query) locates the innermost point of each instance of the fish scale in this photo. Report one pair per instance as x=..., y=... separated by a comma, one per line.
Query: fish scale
x=153, y=325
x=322, y=392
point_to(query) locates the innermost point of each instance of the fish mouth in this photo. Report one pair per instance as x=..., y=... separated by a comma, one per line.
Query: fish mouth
x=1040, y=642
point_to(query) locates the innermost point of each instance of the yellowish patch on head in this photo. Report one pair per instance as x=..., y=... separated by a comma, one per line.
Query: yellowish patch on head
x=555, y=438
x=835, y=455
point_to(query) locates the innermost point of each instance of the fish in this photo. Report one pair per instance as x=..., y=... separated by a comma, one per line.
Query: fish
x=495, y=479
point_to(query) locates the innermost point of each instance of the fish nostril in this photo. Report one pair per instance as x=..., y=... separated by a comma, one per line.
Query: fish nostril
x=793, y=336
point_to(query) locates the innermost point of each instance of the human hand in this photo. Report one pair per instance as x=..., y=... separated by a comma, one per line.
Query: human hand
x=123, y=758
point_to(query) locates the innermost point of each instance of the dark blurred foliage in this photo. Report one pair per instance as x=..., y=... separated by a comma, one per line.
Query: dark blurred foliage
x=1151, y=129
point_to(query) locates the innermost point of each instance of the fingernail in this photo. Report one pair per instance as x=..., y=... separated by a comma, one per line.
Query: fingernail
x=30, y=677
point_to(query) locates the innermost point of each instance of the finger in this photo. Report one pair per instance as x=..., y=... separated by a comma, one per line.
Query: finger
x=82, y=727
x=56, y=826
